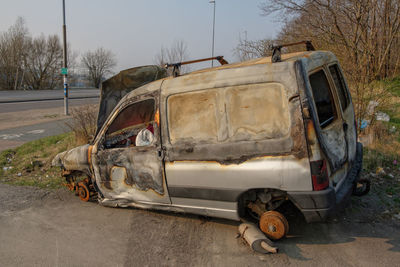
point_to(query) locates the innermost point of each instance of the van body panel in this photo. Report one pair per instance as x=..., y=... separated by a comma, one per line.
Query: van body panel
x=212, y=208
x=283, y=172
x=222, y=171
x=133, y=174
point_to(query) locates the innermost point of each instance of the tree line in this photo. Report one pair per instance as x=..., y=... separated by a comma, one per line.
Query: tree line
x=34, y=63
x=363, y=34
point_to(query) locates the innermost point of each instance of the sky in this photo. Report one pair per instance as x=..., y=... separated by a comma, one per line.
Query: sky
x=136, y=30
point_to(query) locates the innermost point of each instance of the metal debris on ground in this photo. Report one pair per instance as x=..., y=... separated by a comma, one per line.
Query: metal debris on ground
x=256, y=239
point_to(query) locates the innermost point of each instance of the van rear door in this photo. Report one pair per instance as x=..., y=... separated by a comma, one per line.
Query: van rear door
x=329, y=122
x=347, y=109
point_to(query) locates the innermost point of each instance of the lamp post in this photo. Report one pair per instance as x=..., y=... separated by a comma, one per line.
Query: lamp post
x=64, y=70
x=213, y=34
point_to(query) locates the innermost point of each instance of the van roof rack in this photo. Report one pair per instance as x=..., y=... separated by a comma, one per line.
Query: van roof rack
x=276, y=49
x=176, y=66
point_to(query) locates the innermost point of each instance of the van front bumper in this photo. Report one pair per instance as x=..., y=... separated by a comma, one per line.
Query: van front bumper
x=316, y=206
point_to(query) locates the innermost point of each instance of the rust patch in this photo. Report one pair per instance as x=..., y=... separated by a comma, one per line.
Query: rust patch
x=157, y=117
x=297, y=134
x=274, y=225
x=311, y=137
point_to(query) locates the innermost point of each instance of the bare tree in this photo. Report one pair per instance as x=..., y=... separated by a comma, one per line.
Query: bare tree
x=362, y=31
x=98, y=63
x=178, y=52
x=12, y=52
x=42, y=62
x=73, y=65
x=247, y=49
x=364, y=34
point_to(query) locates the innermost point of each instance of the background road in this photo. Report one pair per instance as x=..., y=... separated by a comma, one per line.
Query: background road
x=31, y=105
x=24, y=118
x=21, y=95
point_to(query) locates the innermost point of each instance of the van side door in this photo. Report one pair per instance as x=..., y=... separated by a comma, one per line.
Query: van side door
x=128, y=163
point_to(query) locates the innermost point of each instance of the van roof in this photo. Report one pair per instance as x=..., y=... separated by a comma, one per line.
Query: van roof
x=320, y=56
x=267, y=60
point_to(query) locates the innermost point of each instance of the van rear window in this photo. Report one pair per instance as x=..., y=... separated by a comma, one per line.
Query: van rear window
x=323, y=98
x=340, y=86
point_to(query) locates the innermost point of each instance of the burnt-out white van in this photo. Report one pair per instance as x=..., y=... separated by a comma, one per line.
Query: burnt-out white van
x=232, y=141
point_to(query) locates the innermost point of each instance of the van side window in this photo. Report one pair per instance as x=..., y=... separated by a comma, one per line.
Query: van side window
x=340, y=86
x=322, y=98
x=192, y=117
x=129, y=123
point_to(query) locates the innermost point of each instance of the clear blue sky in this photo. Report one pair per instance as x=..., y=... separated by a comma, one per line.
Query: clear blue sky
x=135, y=30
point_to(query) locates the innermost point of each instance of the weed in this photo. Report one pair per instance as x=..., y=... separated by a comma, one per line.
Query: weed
x=83, y=123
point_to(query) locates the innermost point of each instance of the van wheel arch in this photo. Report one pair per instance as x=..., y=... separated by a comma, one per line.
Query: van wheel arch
x=258, y=200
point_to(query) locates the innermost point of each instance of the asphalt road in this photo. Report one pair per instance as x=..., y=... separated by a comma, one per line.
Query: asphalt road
x=21, y=95
x=32, y=119
x=32, y=105
x=32, y=132
x=54, y=228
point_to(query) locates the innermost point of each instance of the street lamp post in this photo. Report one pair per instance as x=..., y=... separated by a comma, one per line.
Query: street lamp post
x=64, y=70
x=213, y=34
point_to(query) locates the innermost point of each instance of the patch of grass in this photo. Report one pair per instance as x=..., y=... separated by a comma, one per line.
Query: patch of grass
x=41, y=144
x=393, y=85
x=30, y=164
x=51, y=116
x=393, y=109
x=375, y=158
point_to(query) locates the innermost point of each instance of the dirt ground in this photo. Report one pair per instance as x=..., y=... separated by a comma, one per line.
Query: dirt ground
x=54, y=228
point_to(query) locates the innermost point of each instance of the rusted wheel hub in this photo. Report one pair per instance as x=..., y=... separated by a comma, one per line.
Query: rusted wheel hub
x=83, y=192
x=274, y=225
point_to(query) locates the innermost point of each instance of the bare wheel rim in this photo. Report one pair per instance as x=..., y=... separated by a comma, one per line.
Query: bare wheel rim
x=274, y=225
x=83, y=192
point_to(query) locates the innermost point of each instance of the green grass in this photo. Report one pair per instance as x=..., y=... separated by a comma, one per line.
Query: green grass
x=41, y=144
x=374, y=159
x=31, y=162
x=393, y=85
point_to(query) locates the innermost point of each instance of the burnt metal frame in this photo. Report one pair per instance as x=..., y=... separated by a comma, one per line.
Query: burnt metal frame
x=276, y=49
x=176, y=66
